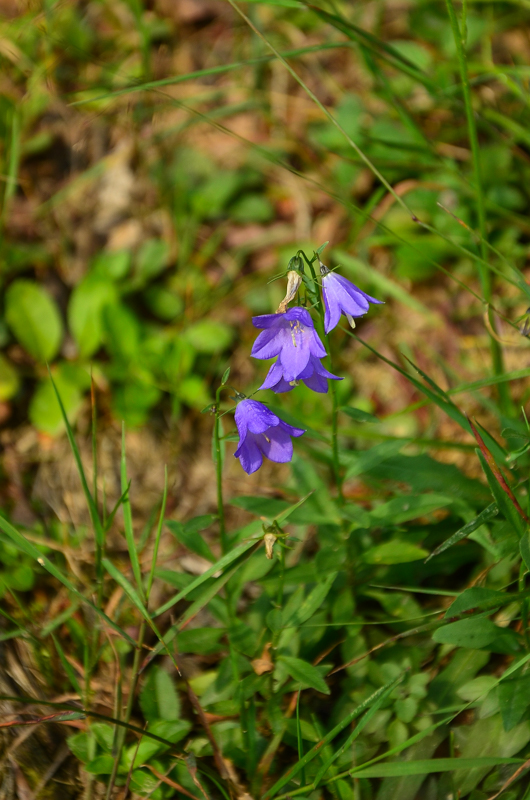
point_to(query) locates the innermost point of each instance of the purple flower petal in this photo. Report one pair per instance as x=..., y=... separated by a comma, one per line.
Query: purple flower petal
x=316, y=383
x=277, y=445
x=341, y=296
x=249, y=455
x=262, y=433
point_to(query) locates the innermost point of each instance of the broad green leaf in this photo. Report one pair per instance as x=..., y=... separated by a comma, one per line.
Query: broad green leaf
x=104, y=734
x=402, y=509
x=159, y=698
x=122, y=332
x=101, y=765
x=34, y=318
x=113, y=264
x=394, y=552
x=85, y=312
x=305, y=673
x=173, y=731
x=485, y=738
x=514, y=699
x=476, y=633
x=79, y=744
x=476, y=597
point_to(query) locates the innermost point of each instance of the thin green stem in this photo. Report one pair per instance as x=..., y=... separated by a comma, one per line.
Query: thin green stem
x=334, y=431
x=219, y=473
x=524, y=607
x=483, y=269
x=122, y=730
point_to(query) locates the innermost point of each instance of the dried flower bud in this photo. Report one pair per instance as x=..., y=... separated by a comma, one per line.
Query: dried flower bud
x=294, y=279
x=269, y=540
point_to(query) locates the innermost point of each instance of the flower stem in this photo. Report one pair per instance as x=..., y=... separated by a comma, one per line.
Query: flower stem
x=334, y=432
x=219, y=473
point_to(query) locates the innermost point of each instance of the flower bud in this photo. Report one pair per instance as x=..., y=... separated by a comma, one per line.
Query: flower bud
x=294, y=279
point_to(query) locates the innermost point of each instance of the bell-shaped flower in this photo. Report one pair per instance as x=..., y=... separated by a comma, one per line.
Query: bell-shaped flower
x=341, y=296
x=292, y=337
x=315, y=376
x=262, y=433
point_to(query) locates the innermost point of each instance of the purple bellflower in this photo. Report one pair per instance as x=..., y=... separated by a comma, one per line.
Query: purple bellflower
x=292, y=337
x=341, y=296
x=262, y=433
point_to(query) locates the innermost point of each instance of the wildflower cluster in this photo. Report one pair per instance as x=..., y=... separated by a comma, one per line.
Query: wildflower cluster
x=290, y=337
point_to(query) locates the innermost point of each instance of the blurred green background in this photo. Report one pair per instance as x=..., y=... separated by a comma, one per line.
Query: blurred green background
x=159, y=166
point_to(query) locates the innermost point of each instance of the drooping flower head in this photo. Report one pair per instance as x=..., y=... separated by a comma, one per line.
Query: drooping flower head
x=292, y=337
x=262, y=433
x=341, y=296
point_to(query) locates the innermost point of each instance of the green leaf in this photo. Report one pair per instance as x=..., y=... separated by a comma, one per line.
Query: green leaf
x=524, y=547
x=200, y=641
x=79, y=745
x=260, y=506
x=402, y=509
x=514, y=699
x=121, y=332
x=9, y=380
x=137, y=755
x=305, y=673
x=485, y=516
x=311, y=604
x=44, y=410
x=476, y=597
x=504, y=503
x=358, y=415
x=220, y=565
x=104, y=734
x=151, y=260
x=85, y=312
x=333, y=733
x=189, y=534
x=394, y=552
x=101, y=765
x=361, y=462
x=209, y=336
x=158, y=697
x=429, y=765
x=113, y=264
x=473, y=633
x=34, y=318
